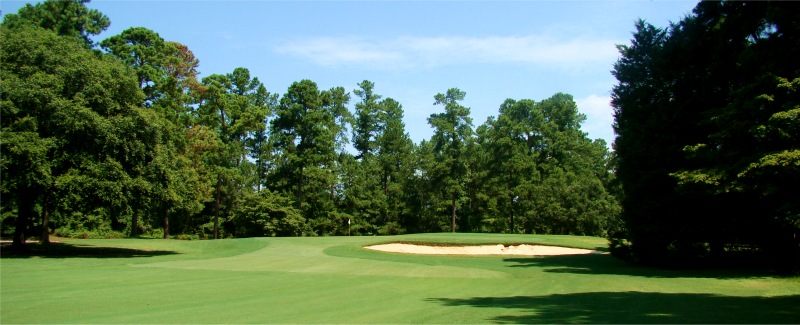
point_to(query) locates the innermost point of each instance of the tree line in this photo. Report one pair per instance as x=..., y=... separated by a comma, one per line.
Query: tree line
x=122, y=138
x=707, y=113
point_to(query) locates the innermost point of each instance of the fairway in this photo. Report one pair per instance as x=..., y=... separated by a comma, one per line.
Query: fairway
x=336, y=280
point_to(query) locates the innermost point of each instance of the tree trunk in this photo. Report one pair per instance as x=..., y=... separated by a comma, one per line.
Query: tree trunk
x=795, y=260
x=45, y=239
x=25, y=202
x=134, y=225
x=453, y=229
x=166, y=222
x=717, y=248
x=216, y=207
x=300, y=190
x=512, y=221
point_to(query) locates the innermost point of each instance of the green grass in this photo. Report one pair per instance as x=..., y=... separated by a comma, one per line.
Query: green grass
x=335, y=280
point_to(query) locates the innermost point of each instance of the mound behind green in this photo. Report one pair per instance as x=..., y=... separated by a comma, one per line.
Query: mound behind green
x=335, y=280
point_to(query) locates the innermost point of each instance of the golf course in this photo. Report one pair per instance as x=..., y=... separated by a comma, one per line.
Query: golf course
x=337, y=280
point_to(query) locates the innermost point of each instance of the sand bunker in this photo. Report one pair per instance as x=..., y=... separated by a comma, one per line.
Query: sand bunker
x=530, y=250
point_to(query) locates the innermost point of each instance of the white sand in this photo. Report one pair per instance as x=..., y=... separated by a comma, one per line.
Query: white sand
x=530, y=250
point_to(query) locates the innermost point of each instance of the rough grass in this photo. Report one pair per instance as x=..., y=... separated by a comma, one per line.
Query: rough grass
x=335, y=280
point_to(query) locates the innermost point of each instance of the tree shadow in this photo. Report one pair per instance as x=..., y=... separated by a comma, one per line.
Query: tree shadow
x=608, y=264
x=637, y=307
x=64, y=250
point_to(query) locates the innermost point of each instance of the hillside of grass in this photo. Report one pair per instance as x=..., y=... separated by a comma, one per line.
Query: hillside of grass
x=336, y=280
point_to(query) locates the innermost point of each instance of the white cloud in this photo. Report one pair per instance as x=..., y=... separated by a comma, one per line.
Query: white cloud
x=416, y=52
x=329, y=51
x=599, y=117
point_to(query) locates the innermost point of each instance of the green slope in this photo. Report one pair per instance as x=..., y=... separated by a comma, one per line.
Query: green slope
x=335, y=280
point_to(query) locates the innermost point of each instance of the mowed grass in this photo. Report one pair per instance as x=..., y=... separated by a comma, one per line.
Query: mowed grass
x=336, y=280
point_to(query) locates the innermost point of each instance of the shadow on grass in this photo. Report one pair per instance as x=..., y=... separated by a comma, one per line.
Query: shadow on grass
x=637, y=307
x=606, y=264
x=64, y=250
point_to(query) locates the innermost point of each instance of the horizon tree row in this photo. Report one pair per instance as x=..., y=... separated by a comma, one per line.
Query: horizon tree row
x=120, y=138
x=708, y=146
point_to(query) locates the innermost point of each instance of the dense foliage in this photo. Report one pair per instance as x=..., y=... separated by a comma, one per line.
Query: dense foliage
x=120, y=138
x=708, y=131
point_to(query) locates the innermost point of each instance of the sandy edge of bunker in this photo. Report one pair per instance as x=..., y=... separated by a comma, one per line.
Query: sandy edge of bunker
x=524, y=249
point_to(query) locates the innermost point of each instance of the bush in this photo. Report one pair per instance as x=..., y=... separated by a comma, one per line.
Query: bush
x=187, y=237
x=391, y=228
x=89, y=234
x=154, y=233
x=266, y=213
x=621, y=248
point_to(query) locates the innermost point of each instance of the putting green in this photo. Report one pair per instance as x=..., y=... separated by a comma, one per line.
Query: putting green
x=336, y=280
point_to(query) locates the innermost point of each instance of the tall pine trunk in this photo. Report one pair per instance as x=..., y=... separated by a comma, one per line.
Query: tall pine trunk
x=300, y=190
x=164, y=210
x=512, y=216
x=453, y=229
x=216, y=207
x=45, y=239
x=26, y=202
x=134, y=225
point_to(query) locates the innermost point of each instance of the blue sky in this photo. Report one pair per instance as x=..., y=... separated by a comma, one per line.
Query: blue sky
x=411, y=50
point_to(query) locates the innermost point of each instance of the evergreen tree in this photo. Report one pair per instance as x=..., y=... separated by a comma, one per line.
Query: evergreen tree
x=70, y=18
x=307, y=127
x=166, y=72
x=707, y=147
x=541, y=171
x=452, y=135
x=394, y=156
x=235, y=106
x=73, y=137
x=367, y=124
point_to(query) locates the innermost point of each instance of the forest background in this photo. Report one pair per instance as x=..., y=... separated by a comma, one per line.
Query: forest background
x=121, y=138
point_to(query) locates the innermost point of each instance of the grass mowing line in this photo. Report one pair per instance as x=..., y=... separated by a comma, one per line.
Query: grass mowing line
x=568, y=289
x=310, y=257
x=129, y=249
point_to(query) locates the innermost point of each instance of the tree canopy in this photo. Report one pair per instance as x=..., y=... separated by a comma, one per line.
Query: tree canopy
x=120, y=138
x=708, y=149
